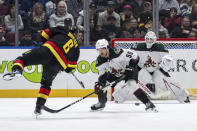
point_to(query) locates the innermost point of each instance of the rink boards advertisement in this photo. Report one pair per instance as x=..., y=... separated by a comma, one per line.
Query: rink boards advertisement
x=65, y=85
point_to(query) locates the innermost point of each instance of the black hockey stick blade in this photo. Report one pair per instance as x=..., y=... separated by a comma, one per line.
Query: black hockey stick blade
x=56, y=111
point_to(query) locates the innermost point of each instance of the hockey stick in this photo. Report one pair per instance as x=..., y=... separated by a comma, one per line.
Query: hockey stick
x=56, y=111
x=80, y=82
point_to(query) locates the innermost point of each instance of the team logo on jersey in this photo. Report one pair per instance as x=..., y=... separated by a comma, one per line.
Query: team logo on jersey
x=149, y=62
x=117, y=73
x=117, y=50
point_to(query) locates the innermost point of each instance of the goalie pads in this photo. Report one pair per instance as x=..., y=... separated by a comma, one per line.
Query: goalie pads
x=167, y=63
x=168, y=84
x=122, y=94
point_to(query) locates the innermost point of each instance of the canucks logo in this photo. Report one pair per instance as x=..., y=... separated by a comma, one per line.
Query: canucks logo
x=149, y=62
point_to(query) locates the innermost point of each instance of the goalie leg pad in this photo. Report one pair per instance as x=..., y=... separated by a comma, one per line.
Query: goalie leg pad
x=144, y=76
x=168, y=84
x=123, y=93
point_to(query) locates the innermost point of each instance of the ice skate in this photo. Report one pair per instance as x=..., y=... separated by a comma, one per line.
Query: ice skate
x=37, y=112
x=150, y=107
x=187, y=100
x=98, y=107
x=12, y=75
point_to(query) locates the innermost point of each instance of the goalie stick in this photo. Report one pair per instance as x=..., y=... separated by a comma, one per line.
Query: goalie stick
x=56, y=111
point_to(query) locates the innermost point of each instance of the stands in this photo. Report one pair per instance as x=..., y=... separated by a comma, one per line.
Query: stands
x=123, y=12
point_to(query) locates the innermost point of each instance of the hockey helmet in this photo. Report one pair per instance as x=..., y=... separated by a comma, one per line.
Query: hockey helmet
x=150, y=39
x=102, y=43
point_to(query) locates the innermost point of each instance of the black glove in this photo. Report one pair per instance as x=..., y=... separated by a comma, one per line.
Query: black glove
x=68, y=70
x=98, y=86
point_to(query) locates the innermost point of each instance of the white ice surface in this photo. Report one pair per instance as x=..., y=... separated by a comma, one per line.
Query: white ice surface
x=17, y=115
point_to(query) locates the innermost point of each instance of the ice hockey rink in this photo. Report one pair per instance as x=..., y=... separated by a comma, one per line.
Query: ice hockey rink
x=17, y=115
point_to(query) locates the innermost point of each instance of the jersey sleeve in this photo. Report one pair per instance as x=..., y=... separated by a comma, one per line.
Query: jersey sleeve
x=46, y=35
x=161, y=47
x=131, y=58
x=140, y=47
x=102, y=70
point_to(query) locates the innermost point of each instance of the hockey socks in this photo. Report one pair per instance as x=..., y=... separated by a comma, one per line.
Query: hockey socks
x=141, y=95
x=41, y=100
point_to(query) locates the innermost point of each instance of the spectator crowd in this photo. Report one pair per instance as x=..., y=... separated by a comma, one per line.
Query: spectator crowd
x=109, y=19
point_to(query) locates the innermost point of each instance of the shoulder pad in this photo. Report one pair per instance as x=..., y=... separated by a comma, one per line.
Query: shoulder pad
x=140, y=46
x=100, y=61
x=160, y=47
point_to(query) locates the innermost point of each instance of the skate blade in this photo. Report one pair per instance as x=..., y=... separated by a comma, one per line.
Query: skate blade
x=8, y=76
x=37, y=114
x=96, y=110
x=152, y=111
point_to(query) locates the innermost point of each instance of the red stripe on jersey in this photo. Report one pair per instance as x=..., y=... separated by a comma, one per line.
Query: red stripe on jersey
x=58, y=51
x=45, y=91
x=72, y=62
x=48, y=32
x=20, y=62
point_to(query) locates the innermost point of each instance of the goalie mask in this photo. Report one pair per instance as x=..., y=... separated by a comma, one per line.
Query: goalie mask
x=102, y=43
x=150, y=39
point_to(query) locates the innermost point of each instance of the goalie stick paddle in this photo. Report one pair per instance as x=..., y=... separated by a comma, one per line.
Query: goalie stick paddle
x=56, y=111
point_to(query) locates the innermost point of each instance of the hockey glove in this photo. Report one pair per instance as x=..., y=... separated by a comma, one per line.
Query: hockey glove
x=98, y=87
x=128, y=73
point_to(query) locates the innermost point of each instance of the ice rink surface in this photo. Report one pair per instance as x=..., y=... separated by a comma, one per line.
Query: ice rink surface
x=17, y=115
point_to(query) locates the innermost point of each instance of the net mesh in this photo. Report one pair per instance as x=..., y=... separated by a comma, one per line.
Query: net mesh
x=168, y=43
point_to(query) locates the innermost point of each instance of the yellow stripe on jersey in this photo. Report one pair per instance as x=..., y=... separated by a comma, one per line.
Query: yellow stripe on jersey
x=45, y=35
x=73, y=66
x=56, y=55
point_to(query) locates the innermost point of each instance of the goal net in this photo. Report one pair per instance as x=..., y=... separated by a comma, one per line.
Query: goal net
x=184, y=51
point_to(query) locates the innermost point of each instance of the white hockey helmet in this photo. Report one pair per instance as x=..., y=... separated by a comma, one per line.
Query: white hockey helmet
x=150, y=39
x=102, y=43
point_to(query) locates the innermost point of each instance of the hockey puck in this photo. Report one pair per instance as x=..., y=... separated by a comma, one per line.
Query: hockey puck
x=137, y=104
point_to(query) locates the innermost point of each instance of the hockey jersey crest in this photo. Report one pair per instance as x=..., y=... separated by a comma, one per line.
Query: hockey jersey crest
x=150, y=58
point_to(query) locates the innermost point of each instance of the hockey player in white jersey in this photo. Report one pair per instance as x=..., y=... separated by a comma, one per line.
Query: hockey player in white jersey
x=154, y=64
x=111, y=65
